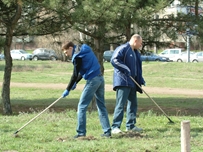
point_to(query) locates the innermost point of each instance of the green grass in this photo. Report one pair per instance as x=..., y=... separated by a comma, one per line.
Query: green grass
x=54, y=130
x=174, y=75
x=156, y=74
x=159, y=74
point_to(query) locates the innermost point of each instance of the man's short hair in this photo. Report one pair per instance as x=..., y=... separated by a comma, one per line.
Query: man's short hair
x=136, y=36
x=67, y=45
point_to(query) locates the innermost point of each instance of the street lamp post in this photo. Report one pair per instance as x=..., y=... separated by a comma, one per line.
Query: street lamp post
x=188, y=44
x=189, y=34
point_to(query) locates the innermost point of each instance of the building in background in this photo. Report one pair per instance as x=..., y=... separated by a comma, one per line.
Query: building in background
x=174, y=9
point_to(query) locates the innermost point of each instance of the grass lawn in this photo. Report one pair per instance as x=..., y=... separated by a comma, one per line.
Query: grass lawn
x=54, y=132
x=35, y=85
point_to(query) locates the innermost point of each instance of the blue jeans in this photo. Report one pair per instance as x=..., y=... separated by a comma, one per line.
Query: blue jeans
x=93, y=87
x=124, y=94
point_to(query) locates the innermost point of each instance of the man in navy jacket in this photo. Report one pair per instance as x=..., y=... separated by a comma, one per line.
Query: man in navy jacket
x=127, y=62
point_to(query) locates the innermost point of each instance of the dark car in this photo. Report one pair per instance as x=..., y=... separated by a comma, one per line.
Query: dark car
x=154, y=57
x=107, y=55
x=44, y=54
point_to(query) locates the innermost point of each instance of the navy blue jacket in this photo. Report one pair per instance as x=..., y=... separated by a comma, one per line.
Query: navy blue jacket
x=126, y=62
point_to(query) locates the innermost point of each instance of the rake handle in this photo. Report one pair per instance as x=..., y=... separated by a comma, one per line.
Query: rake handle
x=151, y=99
x=38, y=115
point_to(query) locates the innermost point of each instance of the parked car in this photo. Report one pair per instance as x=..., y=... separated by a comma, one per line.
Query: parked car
x=107, y=55
x=1, y=57
x=171, y=53
x=147, y=57
x=183, y=57
x=20, y=55
x=153, y=57
x=198, y=57
x=44, y=54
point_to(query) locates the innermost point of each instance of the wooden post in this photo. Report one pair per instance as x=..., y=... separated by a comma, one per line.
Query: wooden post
x=185, y=136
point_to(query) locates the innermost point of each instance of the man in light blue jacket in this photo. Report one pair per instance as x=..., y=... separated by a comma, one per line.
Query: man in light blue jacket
x=87, y=66
x=127, y=62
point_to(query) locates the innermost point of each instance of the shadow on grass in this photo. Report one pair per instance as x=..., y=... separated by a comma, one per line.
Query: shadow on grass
x=170, y=105
x=128, y=134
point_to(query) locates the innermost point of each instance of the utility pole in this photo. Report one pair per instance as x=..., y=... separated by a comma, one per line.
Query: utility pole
x=155, y=45
x=188, y=44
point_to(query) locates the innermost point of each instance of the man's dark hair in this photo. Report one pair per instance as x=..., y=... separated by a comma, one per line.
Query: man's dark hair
x=67, y=45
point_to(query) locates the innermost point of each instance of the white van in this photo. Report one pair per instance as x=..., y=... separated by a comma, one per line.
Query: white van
x=172, y=53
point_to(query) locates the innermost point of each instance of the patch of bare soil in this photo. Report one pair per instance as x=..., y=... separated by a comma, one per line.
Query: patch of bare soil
x=62, y=139
x=149, y=90
x=130, y=134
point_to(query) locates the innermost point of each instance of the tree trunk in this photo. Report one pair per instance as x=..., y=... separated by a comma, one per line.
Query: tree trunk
x=196, y=8
x=5, y=95
x=93, y=105
x=6, y=91
x=99, y=53
x=7, y=73
x=128, y=31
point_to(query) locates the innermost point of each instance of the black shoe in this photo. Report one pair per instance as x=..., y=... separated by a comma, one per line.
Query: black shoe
x=78, y=136
x=107, y=135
